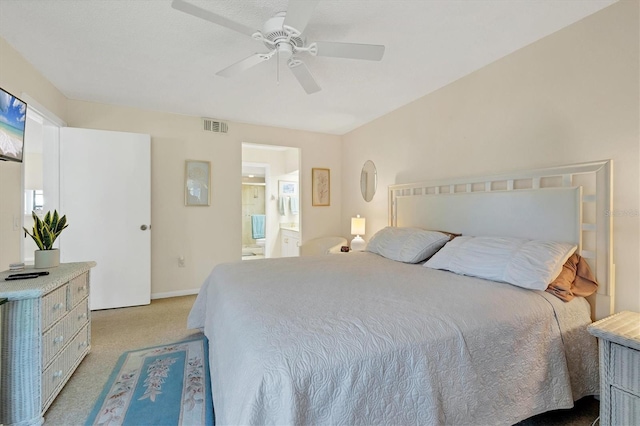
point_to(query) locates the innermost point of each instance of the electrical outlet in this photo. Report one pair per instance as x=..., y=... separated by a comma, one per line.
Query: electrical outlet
x=181, y=262
x=16, y=223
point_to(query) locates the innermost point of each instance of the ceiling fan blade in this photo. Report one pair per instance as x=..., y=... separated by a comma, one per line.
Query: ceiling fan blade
x=207, y=15
x=243, y=65
x=370, y=52
x=302, y=73
x=298, y=13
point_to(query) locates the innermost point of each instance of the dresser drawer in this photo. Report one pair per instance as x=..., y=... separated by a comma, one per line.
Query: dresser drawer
x=625, y=408
x=78, y=289
x=56, y=374
x=53, y=341
x=58, y=336
x=79, y=345
x=53, y=377
x=54, y=306
x=625, y=368
x=79, y=315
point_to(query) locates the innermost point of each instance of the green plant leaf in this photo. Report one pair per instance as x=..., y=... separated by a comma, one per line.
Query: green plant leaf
x=54, y=221
x=47, y=230
x=35, y=238
x=62, y=224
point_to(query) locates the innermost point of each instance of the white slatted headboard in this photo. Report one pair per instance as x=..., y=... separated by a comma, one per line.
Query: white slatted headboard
x=566, y=203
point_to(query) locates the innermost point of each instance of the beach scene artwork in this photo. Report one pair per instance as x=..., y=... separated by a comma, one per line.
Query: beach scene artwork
x=13, y=113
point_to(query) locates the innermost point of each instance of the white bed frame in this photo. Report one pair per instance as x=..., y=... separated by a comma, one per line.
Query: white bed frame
x=566, y=203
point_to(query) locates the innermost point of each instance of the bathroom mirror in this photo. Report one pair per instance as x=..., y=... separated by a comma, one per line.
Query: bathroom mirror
x=368, y=180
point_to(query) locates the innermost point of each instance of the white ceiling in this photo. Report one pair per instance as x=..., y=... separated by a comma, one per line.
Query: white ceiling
x=145, y=54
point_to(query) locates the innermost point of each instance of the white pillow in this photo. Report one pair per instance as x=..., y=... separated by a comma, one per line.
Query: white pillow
x=409, y=245
x=530, y=264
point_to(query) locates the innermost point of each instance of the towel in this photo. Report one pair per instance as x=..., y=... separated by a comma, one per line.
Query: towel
x=293, y=205
x=257, y=226
x=281, y=207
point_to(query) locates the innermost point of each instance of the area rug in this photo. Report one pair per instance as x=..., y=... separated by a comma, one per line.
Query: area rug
x=162, y=385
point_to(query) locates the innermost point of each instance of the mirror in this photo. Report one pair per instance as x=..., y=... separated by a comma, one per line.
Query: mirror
x=368, y=180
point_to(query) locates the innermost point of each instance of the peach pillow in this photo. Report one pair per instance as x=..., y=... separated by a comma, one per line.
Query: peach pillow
x=575, y=279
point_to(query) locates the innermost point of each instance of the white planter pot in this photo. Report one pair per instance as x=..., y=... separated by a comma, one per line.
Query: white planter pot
x=47, y=258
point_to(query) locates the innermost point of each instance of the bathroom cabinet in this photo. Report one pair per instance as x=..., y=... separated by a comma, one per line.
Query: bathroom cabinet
x=290, y=241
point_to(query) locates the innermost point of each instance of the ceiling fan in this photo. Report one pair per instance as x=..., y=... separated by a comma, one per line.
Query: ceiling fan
x=283, y=36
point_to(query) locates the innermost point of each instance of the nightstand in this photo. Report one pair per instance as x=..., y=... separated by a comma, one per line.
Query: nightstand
x=619, y=342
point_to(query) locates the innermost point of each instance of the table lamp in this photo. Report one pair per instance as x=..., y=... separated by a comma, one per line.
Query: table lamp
x=357, y=229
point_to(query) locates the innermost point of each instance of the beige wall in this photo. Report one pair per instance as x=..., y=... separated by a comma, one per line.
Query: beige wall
x=206, y=236
x=571, y=97
x=18, y=76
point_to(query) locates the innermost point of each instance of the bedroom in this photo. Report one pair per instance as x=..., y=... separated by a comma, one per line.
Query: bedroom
x=568, y=98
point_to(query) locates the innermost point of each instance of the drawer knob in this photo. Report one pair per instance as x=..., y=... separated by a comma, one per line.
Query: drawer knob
x=82, y=345
x=57, y=374
x=81, y=289
x=58, y=306
x=58, y=339
x=82, y=316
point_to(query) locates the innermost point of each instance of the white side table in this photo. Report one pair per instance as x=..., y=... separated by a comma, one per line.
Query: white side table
x=619, y=342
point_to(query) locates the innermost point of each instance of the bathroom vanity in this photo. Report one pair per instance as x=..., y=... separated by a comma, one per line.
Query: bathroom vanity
x=290, y=241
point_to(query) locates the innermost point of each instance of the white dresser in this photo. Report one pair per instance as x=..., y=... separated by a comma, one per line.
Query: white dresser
x=46, y=332
x=619, y=341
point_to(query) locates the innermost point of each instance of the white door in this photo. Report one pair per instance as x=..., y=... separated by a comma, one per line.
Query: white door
x=105, y=191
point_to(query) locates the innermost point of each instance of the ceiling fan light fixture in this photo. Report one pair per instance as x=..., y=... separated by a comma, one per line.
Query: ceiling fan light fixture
x=285, y=50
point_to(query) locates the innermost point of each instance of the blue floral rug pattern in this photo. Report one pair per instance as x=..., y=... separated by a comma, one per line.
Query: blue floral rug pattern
x=162, y=385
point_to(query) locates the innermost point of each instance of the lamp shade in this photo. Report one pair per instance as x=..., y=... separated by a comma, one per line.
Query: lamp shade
x=357, y=225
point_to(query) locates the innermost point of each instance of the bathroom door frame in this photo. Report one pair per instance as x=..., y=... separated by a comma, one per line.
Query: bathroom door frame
x=268, y=238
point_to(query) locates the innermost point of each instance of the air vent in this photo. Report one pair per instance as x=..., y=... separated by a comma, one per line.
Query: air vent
x=215, y=126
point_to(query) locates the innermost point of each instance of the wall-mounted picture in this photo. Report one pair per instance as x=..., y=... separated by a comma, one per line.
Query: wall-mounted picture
x=321, y=187
x=286, y=187
x=197, y=182
x=13, y=114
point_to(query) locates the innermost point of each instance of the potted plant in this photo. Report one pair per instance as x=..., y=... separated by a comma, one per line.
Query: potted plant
x=45, y=232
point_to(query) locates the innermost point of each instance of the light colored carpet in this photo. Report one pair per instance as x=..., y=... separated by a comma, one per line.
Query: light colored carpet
x=113, y=332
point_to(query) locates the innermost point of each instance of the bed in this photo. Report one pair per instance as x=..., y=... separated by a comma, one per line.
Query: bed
x=359, y=338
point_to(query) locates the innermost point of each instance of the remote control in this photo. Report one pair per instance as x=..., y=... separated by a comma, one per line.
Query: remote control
x=23, y=274
x=21, y=277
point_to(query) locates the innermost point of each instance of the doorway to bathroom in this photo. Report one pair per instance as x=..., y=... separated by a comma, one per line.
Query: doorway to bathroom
x=254, y=218
x=270, y=201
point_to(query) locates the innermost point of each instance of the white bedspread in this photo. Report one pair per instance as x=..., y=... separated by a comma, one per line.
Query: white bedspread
x=359, y=339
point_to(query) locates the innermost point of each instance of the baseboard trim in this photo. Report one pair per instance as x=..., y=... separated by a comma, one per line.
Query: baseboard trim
x=174, y=293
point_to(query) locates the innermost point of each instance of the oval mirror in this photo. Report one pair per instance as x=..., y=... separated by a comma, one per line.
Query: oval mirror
x=368, y=180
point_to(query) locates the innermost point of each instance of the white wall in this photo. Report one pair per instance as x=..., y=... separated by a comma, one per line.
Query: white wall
x=571, y=97
x=206, y=236
x=18, y=76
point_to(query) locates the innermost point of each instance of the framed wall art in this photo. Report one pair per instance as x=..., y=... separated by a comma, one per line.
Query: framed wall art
x=321, y=187
x=286, y=187
x=197, y=182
